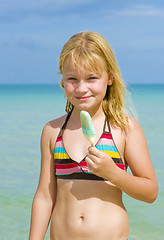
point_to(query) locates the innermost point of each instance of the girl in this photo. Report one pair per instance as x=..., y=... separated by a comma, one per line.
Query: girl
x=80, y=187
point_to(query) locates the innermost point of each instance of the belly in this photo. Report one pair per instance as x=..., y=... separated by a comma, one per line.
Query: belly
x=88, y=210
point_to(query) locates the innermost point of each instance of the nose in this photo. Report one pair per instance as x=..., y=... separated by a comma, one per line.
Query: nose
x=81, y=87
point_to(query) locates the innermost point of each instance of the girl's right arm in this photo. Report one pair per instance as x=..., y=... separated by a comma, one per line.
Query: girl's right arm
x=45, y=195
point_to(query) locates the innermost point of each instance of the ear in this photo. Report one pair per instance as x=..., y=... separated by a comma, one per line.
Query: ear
x=111, y=79
x=62, y=83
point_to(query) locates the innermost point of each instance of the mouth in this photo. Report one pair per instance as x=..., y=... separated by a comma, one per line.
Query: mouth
x=83, y=98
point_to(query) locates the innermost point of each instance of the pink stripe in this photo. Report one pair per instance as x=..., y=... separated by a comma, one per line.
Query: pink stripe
x=105, y=141
x=68, y=171
x=78, y=169
x=86, y=169
x=72, y=166
x=122, y=166
x=59, y=139
x=65, y=166
x=59, y=144
x=83, y=164
x=106, y=135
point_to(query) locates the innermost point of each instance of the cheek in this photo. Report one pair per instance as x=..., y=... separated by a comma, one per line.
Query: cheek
x=68, y=88
x=100, y=89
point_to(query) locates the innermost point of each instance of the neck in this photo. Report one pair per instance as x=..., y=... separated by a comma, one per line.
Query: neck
x=94, y=113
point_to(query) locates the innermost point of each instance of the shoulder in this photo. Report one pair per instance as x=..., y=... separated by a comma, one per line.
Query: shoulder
x=131, y=125
x=135, y=137
x=54, y=125
x=51, y=130
x=134, y=126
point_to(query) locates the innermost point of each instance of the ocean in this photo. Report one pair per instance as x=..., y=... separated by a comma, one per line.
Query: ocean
x=24, y=110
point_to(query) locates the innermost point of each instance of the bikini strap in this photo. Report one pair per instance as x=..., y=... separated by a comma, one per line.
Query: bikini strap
x=106, y=122
x=64, y=124
x=68, y=116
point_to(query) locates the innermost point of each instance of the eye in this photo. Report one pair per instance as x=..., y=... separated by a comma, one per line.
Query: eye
x=72, y=79
x=93, y=78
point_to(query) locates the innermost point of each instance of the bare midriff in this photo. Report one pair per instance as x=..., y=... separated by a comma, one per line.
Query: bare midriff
x=88, y=210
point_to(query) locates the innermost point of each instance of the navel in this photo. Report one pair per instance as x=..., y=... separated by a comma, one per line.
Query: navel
x=82, y=218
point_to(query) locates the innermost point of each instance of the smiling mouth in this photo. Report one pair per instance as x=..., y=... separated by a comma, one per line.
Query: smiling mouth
x=83, y=98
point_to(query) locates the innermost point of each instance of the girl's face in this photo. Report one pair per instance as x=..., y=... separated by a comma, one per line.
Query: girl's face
x=85, y=89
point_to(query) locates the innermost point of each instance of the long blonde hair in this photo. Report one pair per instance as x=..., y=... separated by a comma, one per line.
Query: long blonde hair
x=84, y=49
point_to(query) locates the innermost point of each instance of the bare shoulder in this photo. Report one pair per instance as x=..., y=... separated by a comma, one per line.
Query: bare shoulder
x=51, y=131
x=134, y=126
x=136, y=146
x=134, y=135
x=54, y=125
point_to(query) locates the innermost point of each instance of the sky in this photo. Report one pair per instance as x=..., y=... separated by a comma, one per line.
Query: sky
x=33, y=32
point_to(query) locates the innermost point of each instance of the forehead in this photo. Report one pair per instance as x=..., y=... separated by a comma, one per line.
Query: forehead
x=95, y=64
x=72, y=69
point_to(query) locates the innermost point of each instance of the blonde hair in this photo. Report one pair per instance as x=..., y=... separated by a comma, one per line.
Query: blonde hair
x=85, y=48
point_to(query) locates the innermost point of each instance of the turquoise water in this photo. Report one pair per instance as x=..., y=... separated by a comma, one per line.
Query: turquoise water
x=24, y=109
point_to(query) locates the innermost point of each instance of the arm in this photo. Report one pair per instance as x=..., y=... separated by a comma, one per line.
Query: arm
x=45, y=195
x=142, y=185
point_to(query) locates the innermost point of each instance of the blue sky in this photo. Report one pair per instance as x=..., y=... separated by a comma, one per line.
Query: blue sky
x=32, y=33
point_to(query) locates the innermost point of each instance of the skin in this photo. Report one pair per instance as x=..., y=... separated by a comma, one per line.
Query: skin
x=85, y=209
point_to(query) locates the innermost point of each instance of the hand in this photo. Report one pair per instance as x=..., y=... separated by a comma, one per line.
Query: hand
x=100, y=163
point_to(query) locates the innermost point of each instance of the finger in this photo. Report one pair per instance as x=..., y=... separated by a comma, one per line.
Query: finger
x=92, y=157
x=90, y=163
x=94, y=151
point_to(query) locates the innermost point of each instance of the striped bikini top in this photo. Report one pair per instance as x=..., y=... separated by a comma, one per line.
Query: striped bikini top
x=67, y=168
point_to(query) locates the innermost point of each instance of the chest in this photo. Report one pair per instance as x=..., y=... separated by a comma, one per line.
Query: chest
x=76, y=145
